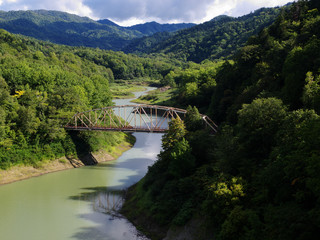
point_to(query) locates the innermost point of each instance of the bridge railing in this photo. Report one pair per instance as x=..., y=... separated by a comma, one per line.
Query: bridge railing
x=131, y=118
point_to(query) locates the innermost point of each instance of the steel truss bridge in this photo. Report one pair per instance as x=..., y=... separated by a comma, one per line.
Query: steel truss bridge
x=131, y=118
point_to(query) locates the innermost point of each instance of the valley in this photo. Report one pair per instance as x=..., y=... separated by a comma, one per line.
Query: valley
x=257, y=76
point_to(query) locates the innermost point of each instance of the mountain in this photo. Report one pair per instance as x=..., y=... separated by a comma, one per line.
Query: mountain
x=218, y=38
x=42, y=17
x=69, y=29
x=108, y=22
x=141, y=45
x=64, y=28
x=154, y=27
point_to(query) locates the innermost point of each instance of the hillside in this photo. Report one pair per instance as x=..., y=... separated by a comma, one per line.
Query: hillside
x=63, y=28
x=43, y=84
x=150, y=28
x=145, y=44
x=218, y=38
x=257, y=178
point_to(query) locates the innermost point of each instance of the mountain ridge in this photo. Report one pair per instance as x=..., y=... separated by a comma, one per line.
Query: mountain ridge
x=215, y=39
x=153, y=27
x=218, y=38
x=70, y=29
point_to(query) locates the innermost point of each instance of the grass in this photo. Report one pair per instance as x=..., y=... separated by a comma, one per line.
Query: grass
x=124, y=90
x=158, y=96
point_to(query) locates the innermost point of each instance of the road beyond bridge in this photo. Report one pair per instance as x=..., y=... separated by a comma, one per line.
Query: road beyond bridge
x=131, y=118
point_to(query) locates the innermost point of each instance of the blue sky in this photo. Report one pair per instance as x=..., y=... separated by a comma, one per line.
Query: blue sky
x=129, y=12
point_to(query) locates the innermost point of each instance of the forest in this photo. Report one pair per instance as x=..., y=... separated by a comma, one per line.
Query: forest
x=257, y=178
x=216, y=39
x=43, y=85
x=69, y=29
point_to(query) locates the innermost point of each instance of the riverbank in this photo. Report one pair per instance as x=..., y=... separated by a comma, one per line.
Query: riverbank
x=22, y=172
x=141, y=219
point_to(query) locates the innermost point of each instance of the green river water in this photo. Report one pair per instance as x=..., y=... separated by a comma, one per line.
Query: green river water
x=77, y=203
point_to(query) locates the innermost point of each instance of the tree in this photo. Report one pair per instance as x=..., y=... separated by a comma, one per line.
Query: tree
x=176, y=132
x=181, y=162
x=311, y=93
x=2, y=125
x=262, y=115
x=257, y=127
x=168, y=80
x=190, y=91
x=28, y=122
x=193, y=119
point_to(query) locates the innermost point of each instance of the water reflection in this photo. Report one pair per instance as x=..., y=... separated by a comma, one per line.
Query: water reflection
x=103, y=199
x=105, y=202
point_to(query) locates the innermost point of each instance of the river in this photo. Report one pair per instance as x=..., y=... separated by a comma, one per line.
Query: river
x=77, y=203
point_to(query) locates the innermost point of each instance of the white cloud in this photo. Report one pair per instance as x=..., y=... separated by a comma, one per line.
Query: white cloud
x=137, y=11
x=238, y=8
x=219, y=8
x=70, y=6
x=128, y=12
x=150, y=10
x=7, y=1
x=130, y=21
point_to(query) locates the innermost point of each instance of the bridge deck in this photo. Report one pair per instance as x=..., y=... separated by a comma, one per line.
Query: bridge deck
x=123, y=129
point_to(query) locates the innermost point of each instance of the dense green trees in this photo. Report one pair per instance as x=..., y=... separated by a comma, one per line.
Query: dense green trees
x=39, y=92
x=69, y=29
x=273, y=64
x=311, y=93
x=257, y=177
x=219, y=38
x=195, y=84
x=42, y=85
x=126, y=67
x=275, y=169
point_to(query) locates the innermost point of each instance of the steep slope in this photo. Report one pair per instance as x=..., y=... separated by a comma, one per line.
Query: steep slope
x=257, y=178
x=144, y=44
x=40, y=85
x=69, y=29
x=218, y=38
x=64, y=28
x=43, y=84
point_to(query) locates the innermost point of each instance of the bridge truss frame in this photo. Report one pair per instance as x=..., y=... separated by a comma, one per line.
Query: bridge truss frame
x=142, y=118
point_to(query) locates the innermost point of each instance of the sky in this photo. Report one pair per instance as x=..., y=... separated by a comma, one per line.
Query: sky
x=130, y=12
